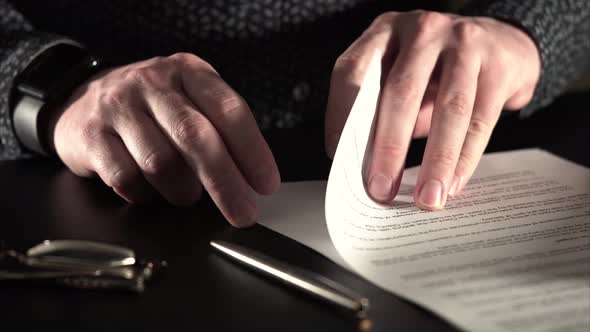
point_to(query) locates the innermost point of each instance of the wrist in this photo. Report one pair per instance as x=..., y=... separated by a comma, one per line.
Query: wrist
x=528, y=65
x=43, y=87
x=56, y=110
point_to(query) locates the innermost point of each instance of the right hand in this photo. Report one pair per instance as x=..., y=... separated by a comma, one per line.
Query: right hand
x=170, y=125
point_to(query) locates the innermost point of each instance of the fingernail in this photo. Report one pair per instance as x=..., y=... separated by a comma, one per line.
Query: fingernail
x=380, y=187
x=245, y=213
x=431, y=194
x=267, y=179
x=332, y=144
x=455, y=186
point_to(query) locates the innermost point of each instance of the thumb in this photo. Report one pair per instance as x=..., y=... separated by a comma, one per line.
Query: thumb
x=343, y=91
x=347, y=76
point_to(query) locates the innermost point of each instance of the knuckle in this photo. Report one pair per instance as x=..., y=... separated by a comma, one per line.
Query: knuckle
x=479, y=128
x=386, y=146
x=348, y=68
x=191, y=128
x=91, y=133
x=189, y=59
x=157, y=162
x=158, y=61
x=127, y=75
x=466, y=31
x=444, y=158
x=215, y=184
x=121, y=179
x=231, y=106
x=466, y=162
x=428, y=22
x=384, y=20
x=184, y=57
x=148, y=76
x=457, y=103
x=349, y=62
x=217, y=93
x=403, y=87
x=114, y=97
x=227, y=102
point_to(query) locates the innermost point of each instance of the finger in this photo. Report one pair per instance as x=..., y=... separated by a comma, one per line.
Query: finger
x=204, y=150
x=158, y=160
x=231, y=116
x=450, y=120
x=488, y=105
x=401, y=97
x=423, y=121
x=109, y=158
x=348, y=74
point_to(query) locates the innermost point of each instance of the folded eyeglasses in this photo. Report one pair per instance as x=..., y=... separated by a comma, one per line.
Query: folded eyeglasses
x=79, y=264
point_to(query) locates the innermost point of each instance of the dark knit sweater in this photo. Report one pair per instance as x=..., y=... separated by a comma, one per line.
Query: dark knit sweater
x=278, y=54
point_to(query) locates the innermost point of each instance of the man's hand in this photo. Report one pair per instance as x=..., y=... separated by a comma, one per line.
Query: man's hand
x=170, y=125
x=447, y=77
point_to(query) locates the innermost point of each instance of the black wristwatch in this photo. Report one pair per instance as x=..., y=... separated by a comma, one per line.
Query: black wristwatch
x=46, y=83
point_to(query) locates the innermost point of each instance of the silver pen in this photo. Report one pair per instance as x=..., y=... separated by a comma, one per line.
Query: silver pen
x=315, y=285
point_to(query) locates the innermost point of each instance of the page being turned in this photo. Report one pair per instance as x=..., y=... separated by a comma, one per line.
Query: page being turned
x=512, y=253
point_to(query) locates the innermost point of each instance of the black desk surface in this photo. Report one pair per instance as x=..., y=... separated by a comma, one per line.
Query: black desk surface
x=40, y=200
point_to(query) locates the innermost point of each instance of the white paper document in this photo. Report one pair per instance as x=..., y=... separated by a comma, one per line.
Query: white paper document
x=511, y=253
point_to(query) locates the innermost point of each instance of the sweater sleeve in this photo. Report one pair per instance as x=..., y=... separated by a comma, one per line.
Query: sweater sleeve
x=19, y=45
x=561, y=30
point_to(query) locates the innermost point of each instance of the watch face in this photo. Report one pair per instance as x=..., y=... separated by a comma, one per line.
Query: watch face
x=41, y=76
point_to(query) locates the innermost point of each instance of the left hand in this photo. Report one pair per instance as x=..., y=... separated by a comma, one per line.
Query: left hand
x=444, y=76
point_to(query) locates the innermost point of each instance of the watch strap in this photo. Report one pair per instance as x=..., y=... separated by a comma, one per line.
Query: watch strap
x=43, y=86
